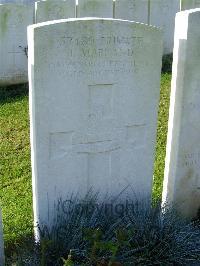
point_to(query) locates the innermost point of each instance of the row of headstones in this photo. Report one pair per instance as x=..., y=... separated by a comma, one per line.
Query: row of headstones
x=189, y=4
x=94, y=97
x=93, y=102
x=14, y=19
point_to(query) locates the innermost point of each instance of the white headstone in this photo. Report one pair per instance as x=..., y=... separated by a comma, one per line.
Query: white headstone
x=94, y=93
x=14, y=19
x=134, y=10
x=156, y=13
x=182, y=170
x=189, y=4
x=16, y=1
x=162, y=14
x=2, y=258
x=95, y=8
x=53, y=10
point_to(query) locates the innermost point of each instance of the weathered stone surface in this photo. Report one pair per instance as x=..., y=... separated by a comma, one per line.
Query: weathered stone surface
x=95, y=8
x=158, y=13
x=2, y=258
x=134, y=10
x=93, y=102
x=14, y=44
x=189, y=4
x=162, y=14
x=14, y=19
x=16, y=1
x=52, y=10
x=182, y=170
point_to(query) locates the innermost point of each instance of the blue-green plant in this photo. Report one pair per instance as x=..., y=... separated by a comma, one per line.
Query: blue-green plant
x=141, y=235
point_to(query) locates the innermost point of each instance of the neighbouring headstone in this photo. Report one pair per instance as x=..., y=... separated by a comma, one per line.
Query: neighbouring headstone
x=14, y=19
x=182, y=170
x=16, y=1
x=189, y=4
x=53, y=10
x=134, y=10
x=2, y=258
x=95, y=8
x=162, y=14
x=94, y=93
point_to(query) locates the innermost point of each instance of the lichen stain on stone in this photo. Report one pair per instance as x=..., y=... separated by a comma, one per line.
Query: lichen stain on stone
x=4, y=21
x=47, y=8
x=91, y=5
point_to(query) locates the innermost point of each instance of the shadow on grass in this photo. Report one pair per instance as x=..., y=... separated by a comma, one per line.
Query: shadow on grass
x=167, y=62
x=16, y=250
x=13, y=93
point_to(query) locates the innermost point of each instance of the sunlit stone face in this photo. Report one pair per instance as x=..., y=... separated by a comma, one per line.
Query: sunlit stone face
x=94, y=97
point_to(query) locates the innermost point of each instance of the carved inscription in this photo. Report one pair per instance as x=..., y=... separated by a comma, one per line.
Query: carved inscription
x=102, y=40
x=93, y=53
x=191, y=159
x=102, y=46
x=73, y=67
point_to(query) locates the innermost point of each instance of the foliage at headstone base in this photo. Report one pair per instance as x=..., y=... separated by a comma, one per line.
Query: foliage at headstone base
x=114, y=233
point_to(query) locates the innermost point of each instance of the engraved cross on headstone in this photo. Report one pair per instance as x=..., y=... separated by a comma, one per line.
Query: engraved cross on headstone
x=99, y=151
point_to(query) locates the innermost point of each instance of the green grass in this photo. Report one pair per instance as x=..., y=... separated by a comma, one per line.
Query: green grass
x=15, y=193
x=15, y=170
x=161, y=136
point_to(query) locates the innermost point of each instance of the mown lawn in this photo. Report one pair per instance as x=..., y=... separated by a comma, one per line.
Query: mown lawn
x=15, y=173
x=15, y=193
x=161, y=135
